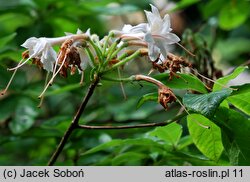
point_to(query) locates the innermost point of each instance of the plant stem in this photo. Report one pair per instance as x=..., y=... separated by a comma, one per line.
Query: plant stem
x=149, y=79
x=74, y=123
x=117, y=51
x=122, y=62
x=135, y=78
x=132, y=126
x=129, y=79
x=91, y=57
x=107, y=42
x=97, y=50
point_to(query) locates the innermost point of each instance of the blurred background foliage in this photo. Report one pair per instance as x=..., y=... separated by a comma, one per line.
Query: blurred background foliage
x=29, y=135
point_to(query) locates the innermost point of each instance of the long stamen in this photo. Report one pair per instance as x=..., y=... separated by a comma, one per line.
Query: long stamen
x=190, y=53
x=150, y=71
x=121, y=84
x=54, y=70
x=52, y=78
x=19, y=65
x=45, y=83
x=82, y=78
x=11, y=79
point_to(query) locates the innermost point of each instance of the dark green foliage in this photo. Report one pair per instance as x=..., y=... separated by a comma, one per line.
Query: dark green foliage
x=205, y=104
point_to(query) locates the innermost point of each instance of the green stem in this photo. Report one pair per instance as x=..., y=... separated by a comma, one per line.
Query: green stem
x=90, y=55
x=124, y=55
x=111, y=56
x=112, y=48
x=129, y=79
x=111, y=34
x=124, y=61
x=97, y=50
x=118, y=50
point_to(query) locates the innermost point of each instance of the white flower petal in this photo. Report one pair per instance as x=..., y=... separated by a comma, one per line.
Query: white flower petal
x=38, y=48
x=153, y=52
x=30, y=42
x=84, y=59
x=161, y=59
x=166, y=24
x=88, y=32
x=171, y=38
x=158, y=34
x=155, y=11
x=127, y=28
x=162, y=46
x=150, y=17
x=141, y=28
x=68, y=33
x=149, y=38
x=79, y=31
x=48, y=58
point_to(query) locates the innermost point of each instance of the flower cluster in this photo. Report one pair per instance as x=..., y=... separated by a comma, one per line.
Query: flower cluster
x=41, y=52
x=156, y=34
x=77, y=51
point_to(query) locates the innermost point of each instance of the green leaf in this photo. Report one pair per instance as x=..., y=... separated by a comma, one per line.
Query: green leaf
x=240, y=98
x=184, y=4
x=224, y=80
x=9, y=104
x=184, y=82
x=134, y=158
x=147, y=97
x=236, y=127
x=241, y=89
x=170, y=133
x=233, y=14
x=212, y=7
x=16, y=4
x=6, y=39
x=117, y=143
x=184, y=142
x=8, y=21
x=64, y=89
x=208, y=141
x=241, y=101
x=231, y=149
x=205, y=104
x=24, y=117
x=231, y=48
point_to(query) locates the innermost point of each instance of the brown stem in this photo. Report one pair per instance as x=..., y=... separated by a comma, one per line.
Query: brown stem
x=131, y=126
x=74, y=123
x=149, y=79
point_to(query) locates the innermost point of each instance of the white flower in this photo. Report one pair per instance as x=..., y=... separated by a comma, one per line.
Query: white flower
x=83, y=56
x=80, y=50
x=131, y=32
x=158, y=34
x=41, y=48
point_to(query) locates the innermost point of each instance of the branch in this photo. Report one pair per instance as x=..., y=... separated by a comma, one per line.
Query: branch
x=74, y=123
x=131, y=126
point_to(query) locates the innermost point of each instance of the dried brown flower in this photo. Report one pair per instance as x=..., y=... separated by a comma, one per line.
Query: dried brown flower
x=69, y=57
x=173, y=63
x=165, y=96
